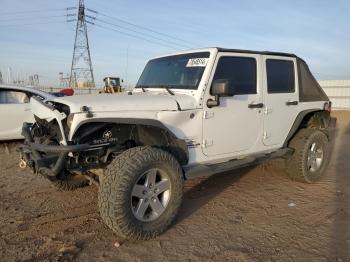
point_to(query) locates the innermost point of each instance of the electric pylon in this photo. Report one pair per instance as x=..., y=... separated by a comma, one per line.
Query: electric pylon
x=81, y=73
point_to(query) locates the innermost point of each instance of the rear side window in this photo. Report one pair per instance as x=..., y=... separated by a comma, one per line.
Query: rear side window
x=280, y=76
x=241, y=71
x=13, y=97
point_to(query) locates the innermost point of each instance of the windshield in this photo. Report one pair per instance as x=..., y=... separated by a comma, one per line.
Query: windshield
x=179, y=71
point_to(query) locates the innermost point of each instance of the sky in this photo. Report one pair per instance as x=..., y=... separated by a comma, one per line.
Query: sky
x=33, y=42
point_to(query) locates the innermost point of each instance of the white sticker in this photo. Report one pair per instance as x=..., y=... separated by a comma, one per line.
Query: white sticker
x=193, y=62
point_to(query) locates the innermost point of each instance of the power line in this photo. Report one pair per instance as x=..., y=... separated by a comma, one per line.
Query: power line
x=141, y=27
x=139, y=32
x=136, y=36
x=40, y=23
x=31, y=18
x=38, y=11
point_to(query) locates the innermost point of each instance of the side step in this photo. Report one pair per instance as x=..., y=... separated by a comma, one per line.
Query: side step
x=207, y=170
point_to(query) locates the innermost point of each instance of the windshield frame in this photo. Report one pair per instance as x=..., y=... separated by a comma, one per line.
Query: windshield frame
x=206, y=54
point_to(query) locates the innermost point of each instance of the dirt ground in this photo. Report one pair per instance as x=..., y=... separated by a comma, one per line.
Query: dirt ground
x=253, y=214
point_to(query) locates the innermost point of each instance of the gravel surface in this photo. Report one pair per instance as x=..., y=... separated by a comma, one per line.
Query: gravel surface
x=252, y=214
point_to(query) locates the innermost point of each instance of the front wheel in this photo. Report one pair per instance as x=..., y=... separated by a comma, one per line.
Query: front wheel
x=310, y=157
x=141, y=192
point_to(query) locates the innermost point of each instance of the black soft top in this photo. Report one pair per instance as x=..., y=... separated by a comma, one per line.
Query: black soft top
x=220, y=49
x=309, y=89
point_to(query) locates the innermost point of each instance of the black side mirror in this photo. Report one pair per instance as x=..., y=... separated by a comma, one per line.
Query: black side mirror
x=219, y=88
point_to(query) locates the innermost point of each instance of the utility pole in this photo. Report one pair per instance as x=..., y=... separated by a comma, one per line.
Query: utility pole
x=81, y=69
x=9, y=75
x=1, y=80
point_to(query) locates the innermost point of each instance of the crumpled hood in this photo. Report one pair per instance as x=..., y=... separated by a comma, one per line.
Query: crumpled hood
x=148, y=101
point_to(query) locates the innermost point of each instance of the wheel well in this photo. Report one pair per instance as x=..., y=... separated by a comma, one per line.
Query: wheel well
x=131, y=135
x=314, y=118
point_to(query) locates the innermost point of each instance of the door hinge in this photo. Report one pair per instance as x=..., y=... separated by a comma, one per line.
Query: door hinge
x=266, y=135
x=207, y=143
x=207, y=114
x=267, y=111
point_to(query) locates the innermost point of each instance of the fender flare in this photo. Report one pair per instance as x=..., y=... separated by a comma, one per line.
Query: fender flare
x=180, y=144
x=298, y=120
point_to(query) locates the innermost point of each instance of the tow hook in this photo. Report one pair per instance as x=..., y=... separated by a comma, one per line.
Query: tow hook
x=22, y=164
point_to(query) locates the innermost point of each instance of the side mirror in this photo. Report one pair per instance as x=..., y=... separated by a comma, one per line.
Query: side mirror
x=219, y=87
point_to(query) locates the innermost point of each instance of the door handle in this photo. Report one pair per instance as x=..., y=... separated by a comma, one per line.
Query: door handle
x=259, y=105
x=292, y=103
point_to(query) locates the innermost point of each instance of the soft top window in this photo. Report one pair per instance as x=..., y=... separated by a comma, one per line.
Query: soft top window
x=309, y=88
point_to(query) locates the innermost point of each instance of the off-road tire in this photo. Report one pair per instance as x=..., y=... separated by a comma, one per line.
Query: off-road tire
x=116, y=185
x=296, y=165
x=68, y=182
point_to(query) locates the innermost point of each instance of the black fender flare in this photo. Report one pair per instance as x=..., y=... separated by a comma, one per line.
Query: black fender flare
x=297, y=122
x=180, y=144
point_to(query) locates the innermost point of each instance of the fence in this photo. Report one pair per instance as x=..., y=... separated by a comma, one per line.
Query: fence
x=338, y=92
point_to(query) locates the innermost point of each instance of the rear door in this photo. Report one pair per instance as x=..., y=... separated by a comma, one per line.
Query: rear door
x=14, y=110
x=281, y=98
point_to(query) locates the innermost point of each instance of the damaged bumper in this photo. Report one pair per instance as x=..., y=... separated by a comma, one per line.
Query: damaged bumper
x=48, y=160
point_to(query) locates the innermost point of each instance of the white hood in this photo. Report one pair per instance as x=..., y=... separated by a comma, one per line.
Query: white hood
x=148, y=101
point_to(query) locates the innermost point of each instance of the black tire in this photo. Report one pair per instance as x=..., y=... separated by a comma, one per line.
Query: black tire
x=117, y=183
x=297, y=166
x=68, y=182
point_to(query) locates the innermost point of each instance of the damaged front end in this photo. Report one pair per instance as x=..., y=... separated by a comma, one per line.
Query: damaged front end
x=46, y=150
x=64, y=156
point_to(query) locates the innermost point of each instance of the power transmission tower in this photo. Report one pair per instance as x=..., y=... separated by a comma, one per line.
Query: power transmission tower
x=81, y=73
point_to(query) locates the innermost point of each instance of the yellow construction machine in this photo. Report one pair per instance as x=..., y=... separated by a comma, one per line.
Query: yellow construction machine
x=112, y=85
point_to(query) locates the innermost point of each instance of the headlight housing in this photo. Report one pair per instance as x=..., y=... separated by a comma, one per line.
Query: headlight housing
x=70, y=120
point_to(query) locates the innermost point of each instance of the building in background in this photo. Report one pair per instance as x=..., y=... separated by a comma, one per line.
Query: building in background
x=338, y=92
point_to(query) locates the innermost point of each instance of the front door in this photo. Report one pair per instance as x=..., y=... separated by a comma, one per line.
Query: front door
x=281, y=98
x=234, y=126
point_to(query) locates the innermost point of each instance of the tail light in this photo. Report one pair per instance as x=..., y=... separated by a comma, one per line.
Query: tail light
x=330, y=107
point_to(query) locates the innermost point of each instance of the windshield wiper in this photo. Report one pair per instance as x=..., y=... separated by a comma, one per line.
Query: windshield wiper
x=143, y=87
x=169, y=91
x=166, y=87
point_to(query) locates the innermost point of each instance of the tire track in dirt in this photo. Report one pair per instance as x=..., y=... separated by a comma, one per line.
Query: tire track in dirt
x=51, y=223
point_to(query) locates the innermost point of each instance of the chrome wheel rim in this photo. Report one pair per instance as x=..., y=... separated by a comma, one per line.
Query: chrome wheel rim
x=315, y=157
x=150, y=195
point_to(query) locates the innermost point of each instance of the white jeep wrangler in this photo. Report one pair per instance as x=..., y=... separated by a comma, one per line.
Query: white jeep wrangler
x=193, y=113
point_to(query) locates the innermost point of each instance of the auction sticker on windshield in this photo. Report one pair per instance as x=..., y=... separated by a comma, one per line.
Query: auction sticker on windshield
x=197, y=62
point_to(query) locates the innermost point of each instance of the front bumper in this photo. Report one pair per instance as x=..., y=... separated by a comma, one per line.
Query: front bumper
x=49, y=160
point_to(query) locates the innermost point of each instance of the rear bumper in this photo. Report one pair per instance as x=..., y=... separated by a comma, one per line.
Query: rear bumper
x=46, y=159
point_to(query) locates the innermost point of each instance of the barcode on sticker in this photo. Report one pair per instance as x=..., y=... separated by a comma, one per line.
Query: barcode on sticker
x=197, y=62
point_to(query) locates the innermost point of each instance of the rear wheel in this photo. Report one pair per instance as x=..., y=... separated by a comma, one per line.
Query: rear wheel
x=310, y=157
x=141, y=192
